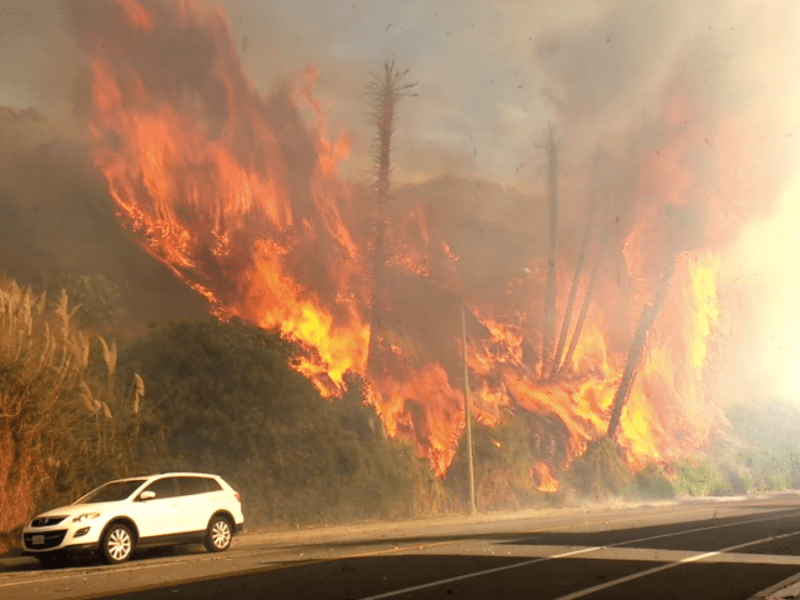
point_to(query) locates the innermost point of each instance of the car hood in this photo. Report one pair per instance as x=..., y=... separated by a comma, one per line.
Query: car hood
x=73, y=510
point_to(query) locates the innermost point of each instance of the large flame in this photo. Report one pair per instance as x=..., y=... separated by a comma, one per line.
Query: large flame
x=239, y=195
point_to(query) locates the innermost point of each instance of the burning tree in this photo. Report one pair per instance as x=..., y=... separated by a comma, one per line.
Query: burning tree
x=560, y=360
x=677, y=220
x=386, y=87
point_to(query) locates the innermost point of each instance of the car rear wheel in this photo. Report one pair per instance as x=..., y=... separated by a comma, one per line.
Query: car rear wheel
x=218, y=535
x=117, y=544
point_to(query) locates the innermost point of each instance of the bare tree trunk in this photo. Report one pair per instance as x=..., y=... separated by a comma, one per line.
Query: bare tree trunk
x=587, y=301
x=573, y=292
x=550, y=299
x=384, y=123
x=386, y=88
x=645, y=324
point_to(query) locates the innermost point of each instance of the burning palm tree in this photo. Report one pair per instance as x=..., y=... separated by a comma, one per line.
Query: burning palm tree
x=387, y=86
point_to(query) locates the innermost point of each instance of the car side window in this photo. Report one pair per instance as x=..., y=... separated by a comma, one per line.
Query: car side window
x=212, y=484
x=190, y=486
x=164, y=488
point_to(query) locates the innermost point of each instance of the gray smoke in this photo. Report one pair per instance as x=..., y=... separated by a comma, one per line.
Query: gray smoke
x=492, y=75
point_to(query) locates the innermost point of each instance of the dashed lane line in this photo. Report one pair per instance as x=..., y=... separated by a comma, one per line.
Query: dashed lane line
x=280, y=565
x=264, y=568
x=588, y=550
x=104, y=570
x=672, y=565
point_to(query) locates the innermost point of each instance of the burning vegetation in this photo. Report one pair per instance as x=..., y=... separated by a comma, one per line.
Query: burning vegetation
x=610, y=339
x=239, y=195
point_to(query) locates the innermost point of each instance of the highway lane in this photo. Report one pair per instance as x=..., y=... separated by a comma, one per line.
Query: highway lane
x=700, y=549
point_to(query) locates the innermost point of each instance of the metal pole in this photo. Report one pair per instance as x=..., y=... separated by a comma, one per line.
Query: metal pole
x=468, y=414
x=467, y=404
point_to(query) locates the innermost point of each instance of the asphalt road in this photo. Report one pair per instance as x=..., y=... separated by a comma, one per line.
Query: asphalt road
x=726, y=549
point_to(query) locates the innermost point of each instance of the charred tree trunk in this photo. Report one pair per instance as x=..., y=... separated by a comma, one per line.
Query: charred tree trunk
x=386, y=88
x=384, y=122
x=645, y=324
x=587, y=300
x=573, y=292
x=550, y=299
x=562, y=362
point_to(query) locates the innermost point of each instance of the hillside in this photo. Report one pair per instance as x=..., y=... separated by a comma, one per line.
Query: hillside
x=56, y=220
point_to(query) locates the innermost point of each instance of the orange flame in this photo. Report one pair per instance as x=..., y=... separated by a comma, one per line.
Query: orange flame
x=675, y=369
x=239, y=195
x=545, y=482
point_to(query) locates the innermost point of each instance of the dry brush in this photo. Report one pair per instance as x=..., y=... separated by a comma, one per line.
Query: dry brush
x=64, y=425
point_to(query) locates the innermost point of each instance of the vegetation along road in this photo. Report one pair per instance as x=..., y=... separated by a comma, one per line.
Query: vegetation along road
x=741, y=548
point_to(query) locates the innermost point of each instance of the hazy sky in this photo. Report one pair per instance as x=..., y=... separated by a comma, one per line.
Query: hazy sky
x=492, y=74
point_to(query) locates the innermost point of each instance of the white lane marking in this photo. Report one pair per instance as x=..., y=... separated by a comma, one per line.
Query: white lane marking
x=484, y=572
x=198, y=558
x=677, y=563
x=786, y=588
x=558, y=525
x=526, y=563
x=104, y=570
x=243, y=570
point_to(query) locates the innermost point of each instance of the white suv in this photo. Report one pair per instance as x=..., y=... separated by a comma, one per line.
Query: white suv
x=159, y=510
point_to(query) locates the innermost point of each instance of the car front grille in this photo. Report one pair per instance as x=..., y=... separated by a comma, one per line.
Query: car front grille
x=51, y=539
x=46, y=521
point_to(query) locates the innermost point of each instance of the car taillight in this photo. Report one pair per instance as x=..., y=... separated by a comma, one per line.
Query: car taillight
x=238, y=497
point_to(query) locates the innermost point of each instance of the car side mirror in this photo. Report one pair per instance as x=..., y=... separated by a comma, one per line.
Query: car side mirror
x=147, y=495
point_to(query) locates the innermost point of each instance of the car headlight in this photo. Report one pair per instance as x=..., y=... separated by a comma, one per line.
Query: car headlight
x=85, y=517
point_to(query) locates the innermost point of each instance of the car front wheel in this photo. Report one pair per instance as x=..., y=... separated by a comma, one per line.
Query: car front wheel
x=218, y=535
x=117, y=544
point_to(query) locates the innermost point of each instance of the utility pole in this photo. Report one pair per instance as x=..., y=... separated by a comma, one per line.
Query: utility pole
x=468, y=415
x=473, y=506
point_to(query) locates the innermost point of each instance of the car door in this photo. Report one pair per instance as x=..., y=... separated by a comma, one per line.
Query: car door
x=157, y=516
x=195, y=505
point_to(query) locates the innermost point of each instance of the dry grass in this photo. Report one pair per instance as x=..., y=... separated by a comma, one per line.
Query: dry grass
x=63, y=424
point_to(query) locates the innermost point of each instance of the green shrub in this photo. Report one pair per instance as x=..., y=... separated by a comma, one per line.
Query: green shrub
x=229, y=402
x=505, y=461
x=601, y=471
x=739, y=477
x=652, y=482
x=710, y=476
x=696, y=477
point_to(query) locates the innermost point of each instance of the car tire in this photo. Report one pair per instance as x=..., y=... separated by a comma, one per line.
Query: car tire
x=117, y=543
x=218, y=535
x=55, y=560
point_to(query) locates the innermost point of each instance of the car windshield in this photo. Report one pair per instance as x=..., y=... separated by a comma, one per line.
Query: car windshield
x=111, y=492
